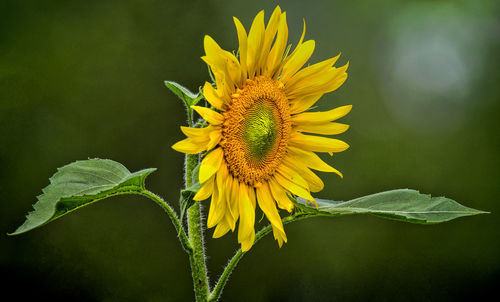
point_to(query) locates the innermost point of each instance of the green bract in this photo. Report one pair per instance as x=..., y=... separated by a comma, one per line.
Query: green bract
x=183, y=93
x=189, y=98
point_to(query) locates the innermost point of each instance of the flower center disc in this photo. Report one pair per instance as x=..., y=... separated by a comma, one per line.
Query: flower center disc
x=256, y=130
x=260, y=131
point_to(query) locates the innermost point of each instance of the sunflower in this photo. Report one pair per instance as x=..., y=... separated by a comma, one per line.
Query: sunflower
x=255, y=149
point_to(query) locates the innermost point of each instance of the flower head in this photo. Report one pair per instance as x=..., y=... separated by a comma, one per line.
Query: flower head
x=255, y=148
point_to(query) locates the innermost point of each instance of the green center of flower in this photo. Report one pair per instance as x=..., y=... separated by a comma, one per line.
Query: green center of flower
x=260, y=132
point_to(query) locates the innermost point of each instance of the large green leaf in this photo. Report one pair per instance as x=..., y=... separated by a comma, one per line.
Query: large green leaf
x=403, y=205
x=79, y=184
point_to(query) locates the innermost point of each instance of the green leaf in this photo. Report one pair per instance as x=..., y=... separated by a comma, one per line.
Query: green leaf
x=403, y=205
x=79, y=184
x=189, y=98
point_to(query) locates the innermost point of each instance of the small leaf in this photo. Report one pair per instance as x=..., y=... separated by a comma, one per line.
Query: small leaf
x=79, y=184
x=403, y=205
x=189, y=98
x=186, y=201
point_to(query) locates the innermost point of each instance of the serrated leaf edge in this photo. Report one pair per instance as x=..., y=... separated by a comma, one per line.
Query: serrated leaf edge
x=309, y=210
x=118, y=189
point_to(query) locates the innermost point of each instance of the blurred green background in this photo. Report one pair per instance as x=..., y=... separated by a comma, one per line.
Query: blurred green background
x=83, y=79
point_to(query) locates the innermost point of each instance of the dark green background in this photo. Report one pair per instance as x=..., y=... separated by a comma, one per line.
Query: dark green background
x=83, y=79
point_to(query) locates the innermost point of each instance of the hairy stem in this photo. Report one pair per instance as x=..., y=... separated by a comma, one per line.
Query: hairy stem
x=195, y=231
x=216, y=293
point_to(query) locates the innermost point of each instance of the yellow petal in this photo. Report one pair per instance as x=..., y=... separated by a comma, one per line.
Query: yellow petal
x=292, y=187
x=297, y=60
x=212, y=49
x=304, y=103
x=301, y=37
x=309, y=71
x=207, y=137
x=312, y=160
x=247, y=215
x=218, y=198
x=300, y=41
x=222, y=62
x=280, y=196
x=326, y=129
x=275, y=56
x=321, y=82
x=251, y=195
x=206, y=190
x=213, y=56
x=220, y=70
x=314, y=182
x=229, y=197
x=242, y=38
x=197, y=132
x=223, y=88
x=247, y=242
x=279, y=235
x=220, y=207
x=233, y=202
x=272, y=26
x=221, y=229
x=228, y=191
x=321, y=117
x=209, y=115
x=213, y=215
x=233, y=69
x=270, y=33
x=189, y=146
x=267, y=205
x=227, y=194
x=293, y=176
x=317, y=143
x=210, y=164
x=255, y=40
x=212, y=97
x=215, y=137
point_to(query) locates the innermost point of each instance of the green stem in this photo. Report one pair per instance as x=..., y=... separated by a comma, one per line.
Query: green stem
x=190, y=117
x=195, y=231
x=170, y=212
x=216, y=293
